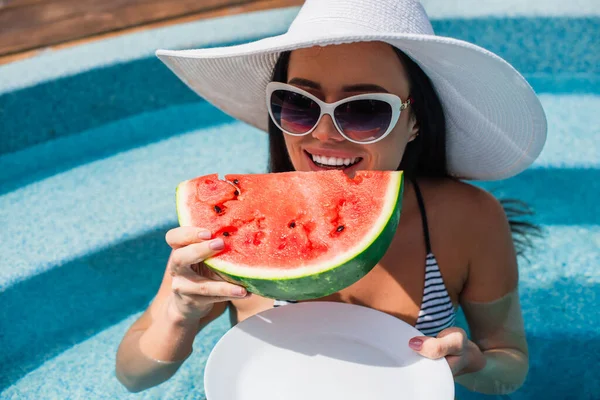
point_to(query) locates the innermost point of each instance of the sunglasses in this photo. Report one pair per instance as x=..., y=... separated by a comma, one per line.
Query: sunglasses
x=364, y=119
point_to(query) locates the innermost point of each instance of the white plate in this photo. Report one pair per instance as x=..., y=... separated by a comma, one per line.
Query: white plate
x=323, y=351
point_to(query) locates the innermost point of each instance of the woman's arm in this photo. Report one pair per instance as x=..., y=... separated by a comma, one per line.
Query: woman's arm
x=158, y=343
x=189, y=298
x=490, y=302
x=497, y=329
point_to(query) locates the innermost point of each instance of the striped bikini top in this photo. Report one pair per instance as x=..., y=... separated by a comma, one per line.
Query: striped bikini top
x=437, y=311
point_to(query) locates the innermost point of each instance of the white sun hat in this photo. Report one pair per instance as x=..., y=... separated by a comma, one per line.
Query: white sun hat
x=496, y=126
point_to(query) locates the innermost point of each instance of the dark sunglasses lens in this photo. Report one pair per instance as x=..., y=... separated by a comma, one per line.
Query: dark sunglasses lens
x=364, y=120
x=294, y=112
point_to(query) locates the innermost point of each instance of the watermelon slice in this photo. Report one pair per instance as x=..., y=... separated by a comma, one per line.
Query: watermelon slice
x=295, y=235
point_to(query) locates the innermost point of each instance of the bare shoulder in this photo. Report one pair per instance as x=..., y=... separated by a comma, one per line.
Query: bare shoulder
x=472, y=221
x=464, y=203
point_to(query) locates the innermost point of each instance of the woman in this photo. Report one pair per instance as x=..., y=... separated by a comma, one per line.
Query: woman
x=463, y=114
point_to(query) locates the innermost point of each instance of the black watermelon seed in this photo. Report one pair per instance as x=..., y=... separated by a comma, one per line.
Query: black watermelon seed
x=292, y=224
x=340, y=228
x=237, y=193
x=218, y=209
x=225, y=233
x=236, y=182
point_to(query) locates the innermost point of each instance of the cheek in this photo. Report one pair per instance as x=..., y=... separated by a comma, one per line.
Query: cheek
x=389, y=152
x=292, y=144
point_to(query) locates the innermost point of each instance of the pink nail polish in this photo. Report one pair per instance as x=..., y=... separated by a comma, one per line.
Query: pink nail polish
x=217, y=244
x=415, y=343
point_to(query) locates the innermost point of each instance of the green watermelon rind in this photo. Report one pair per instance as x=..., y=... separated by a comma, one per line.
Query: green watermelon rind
x=337, y=275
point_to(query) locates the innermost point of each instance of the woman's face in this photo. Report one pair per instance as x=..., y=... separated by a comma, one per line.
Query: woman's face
x=335, y=72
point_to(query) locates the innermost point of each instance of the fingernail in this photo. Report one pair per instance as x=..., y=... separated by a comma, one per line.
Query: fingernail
x=217, y=244
x=239, y=291
x=415, y=343
x=204, y=235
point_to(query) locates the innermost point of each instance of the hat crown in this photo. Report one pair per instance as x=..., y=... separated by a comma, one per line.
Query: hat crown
x=362, y=16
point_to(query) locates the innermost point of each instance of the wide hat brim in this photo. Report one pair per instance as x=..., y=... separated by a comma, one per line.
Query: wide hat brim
x=496, y=126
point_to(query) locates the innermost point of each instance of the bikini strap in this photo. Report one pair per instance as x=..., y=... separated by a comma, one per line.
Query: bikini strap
x=423, y=216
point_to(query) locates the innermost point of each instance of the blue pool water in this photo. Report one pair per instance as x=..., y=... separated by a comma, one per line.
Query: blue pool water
x=94, y=139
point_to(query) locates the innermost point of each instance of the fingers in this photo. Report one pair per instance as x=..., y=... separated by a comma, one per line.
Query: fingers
x=184, y=257
x=203, y=272
x=454, y=341
x=451, y=341
x=186, y=235
x=207, y=291
x=195, y=287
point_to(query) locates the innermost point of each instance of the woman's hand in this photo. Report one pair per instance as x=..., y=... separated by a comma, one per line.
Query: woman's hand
x=462, y=355
x=195, y=288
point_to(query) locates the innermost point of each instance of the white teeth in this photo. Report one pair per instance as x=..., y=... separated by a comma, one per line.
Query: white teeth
x=333, y=161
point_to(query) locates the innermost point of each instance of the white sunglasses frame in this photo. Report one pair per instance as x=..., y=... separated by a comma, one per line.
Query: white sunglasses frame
x=328, y=108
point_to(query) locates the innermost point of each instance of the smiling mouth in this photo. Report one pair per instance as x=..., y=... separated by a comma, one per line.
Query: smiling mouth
x=333, y=162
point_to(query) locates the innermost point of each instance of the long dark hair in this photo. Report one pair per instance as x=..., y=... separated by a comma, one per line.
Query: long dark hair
x=425, y=156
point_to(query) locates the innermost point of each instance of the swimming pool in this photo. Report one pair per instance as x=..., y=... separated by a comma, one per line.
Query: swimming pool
x=94, y=139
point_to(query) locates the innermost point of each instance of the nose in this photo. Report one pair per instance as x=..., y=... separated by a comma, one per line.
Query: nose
x=326, y=131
